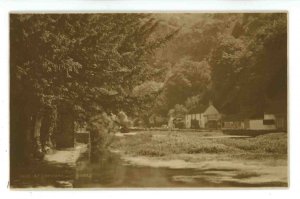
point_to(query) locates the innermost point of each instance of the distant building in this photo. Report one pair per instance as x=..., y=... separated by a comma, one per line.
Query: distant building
x=233, y=122
x=263, y=122
x=266, y=122
x=273, y=118
x=208, y=118
x=277, y=110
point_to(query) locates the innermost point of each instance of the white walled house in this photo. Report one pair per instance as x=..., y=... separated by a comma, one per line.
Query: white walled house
x=273, y=118
x=260, y=124
x=208, y=118
x=263, y=122
x=277, y=110
x=268, y=121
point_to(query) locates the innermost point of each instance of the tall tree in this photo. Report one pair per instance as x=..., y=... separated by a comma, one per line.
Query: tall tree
x=89, y=61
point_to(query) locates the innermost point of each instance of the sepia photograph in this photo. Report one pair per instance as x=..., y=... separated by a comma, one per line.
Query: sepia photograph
x=148, y=100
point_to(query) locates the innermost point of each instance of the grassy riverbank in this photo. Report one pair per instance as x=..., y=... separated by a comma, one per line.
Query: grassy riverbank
x=244, y=161
x=168, y=144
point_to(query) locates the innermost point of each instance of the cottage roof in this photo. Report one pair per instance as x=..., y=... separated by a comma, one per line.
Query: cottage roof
x=199, y=109
x=210, y=110
x=206, y=110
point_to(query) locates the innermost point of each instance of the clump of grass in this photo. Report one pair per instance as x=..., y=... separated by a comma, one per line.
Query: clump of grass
x=207, y=149
x=150, y=152
x=275, y=143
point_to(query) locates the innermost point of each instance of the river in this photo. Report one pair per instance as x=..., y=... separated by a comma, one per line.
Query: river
x=110, y=171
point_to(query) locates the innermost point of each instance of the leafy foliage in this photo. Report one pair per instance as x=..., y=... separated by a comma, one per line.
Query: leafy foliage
x=88, y=60
x=239, y=61
x=250, y=70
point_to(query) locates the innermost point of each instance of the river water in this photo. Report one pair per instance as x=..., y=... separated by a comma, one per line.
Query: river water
x=110, y=171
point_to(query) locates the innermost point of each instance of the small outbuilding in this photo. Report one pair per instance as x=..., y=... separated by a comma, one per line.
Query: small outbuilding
x=233, y=122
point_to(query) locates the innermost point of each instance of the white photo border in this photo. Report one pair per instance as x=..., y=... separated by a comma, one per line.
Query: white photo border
x=93, y=6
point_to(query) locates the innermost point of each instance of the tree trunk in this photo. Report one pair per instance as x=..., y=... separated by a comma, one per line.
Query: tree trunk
x=28, y=139
x=65, y=137
x=38, y=152
x=47, y=129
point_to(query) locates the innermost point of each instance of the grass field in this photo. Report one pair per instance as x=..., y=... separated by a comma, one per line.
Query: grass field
x=164, y=144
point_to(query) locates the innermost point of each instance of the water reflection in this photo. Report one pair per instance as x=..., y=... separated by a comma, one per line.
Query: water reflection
x=109, y=170
x=36, y=174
